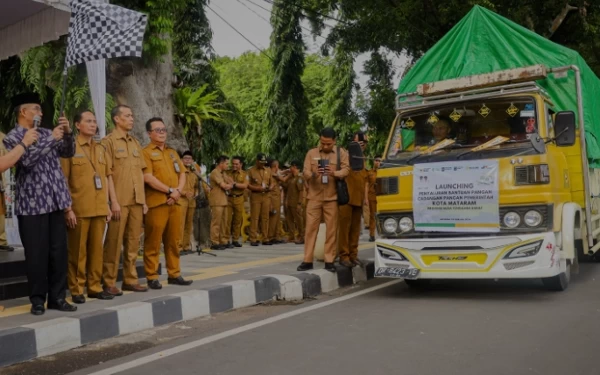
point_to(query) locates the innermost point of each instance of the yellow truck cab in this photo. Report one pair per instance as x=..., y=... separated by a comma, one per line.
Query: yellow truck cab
x=484, y=182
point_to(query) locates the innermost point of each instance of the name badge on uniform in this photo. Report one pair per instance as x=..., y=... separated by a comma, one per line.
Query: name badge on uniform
x=97, y=182
x=135, y=152
x=176, y=165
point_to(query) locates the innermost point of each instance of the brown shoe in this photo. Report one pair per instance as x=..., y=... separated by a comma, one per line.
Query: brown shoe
x=357, y=262
x=113, y=291
x=134, y=288
x=346, y=263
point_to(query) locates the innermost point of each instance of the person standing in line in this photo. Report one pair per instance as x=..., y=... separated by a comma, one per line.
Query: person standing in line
x=188, y=203
x=294, y=199
x=260, y=185
x=350, y=214
x=42, y=199
x=3, y=241
x=218, y=203
x=235, y=207
x=127, y=201
x=86, y=174
x=322, y=196
x=275, y=199
x=372, y=196
x=165, y=179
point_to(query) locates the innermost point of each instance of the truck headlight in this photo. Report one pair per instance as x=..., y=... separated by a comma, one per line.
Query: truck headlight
x=390, y=254
x=512, y=219
x=390, y=225
x=528, y=250
x=406, y=224
x=532, y=218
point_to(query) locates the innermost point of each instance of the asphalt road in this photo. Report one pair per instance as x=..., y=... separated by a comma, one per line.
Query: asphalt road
x=466, y=328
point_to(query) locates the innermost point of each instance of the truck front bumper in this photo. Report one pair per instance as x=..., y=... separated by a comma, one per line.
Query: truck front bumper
x=498, y=257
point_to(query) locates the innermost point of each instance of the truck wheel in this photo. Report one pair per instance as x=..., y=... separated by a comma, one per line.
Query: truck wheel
x=418, y=283
x=559, y=282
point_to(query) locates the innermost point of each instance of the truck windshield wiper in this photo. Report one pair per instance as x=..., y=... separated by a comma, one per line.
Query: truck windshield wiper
x=449, y=146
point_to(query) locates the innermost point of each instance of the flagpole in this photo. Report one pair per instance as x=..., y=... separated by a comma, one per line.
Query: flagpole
x=64, y=90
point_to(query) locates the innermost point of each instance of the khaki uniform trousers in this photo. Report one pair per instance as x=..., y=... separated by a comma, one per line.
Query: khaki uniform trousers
x=217, y=222
x=372, y=222
x=85, y=255
x=259, y=212
x=314, y=211
x=295, y=223
x=349, y=234
x=187, y=218
x=125, y=234
x=163, y=225
x=235, y=217
x=226, y=227
x=274, y=217
x=366, y=216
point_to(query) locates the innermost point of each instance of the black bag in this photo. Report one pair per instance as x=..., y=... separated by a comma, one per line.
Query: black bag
x=343, y=197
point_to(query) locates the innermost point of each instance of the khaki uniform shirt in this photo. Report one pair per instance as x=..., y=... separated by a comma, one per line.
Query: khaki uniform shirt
x=317, y=190
x=80, y=172
x=127, y=167
x=372, y=185
x=217, y=196
x=191, y=186
x=239, y=177
x=161, y=164
x=260, y=177
x=295, y=191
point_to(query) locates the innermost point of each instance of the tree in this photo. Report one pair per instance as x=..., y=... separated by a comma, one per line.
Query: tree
x=287, y=115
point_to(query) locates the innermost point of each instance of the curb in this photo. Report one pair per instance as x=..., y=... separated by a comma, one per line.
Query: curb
x=57, y=335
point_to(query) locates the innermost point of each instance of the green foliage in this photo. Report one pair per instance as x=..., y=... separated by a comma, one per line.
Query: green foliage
x=287, y=115
x=193, y=108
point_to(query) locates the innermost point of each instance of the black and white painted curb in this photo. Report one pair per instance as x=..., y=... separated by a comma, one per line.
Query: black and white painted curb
x=61, y=334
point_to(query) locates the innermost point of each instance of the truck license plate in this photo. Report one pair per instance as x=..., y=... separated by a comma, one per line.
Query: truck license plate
x=397, y=272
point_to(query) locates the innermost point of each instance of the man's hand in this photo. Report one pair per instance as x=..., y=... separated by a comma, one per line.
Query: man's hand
x=30, y=137
x=108, y=217
x=145, y=209
x=116, y=211
x=328, y=170
x=189, y=195
x=58, y=133
x=64, y=123
x=71, y=219
x=175, y=195
x=170, y=202
x=366, y=203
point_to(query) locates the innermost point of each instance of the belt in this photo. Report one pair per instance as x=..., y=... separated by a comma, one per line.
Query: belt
x=237, y=195
x=260, y=192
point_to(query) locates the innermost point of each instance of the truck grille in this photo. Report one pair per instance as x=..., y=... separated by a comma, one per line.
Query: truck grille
x=387, y=186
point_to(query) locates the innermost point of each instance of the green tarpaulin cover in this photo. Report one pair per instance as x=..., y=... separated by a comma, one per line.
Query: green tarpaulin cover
x=484, y=42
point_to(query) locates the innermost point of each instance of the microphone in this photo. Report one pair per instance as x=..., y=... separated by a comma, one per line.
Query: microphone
x=37, y=121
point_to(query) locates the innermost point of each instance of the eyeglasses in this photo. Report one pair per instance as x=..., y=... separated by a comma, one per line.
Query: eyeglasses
x=159, y=130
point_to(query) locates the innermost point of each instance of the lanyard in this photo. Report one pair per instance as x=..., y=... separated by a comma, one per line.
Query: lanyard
x=88, y=158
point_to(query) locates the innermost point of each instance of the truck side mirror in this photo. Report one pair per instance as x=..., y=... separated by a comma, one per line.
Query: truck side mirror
x=564, y=128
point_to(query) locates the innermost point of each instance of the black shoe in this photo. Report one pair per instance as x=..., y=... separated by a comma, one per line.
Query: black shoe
x=268, y=243
x=61, y=305
x=179, y=281
x=371, y=239
x=38, y=309
x=6, y=248
x=217, y=247
x=102, y=295
x=154, y=284
x=330, y=267
x=304, y=266
x=229, y=246
x=236, y=244
x=78, y=299
x=346, y=263
x=253, y=243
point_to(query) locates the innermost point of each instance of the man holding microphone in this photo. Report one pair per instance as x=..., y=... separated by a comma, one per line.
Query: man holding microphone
x=42, y=199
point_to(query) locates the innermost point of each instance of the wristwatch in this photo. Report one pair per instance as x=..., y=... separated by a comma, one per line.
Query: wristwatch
x=170, y=191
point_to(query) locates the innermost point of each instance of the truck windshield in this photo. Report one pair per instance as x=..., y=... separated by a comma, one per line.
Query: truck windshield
x=469, y=124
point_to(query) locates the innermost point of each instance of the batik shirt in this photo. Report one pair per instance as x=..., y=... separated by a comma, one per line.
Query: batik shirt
x=41, y=185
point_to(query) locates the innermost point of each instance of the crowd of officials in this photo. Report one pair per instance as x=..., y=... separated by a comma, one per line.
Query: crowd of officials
x=82, y=204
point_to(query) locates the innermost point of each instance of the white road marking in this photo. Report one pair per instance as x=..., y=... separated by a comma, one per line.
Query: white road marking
x=232, y=332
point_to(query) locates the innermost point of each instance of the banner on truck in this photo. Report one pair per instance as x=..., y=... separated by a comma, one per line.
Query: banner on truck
x=456, y=196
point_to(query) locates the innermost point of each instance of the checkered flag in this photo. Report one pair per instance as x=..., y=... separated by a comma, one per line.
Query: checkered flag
x=101, y=31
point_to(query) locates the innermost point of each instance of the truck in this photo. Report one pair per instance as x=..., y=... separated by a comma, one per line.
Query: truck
x=492, y=165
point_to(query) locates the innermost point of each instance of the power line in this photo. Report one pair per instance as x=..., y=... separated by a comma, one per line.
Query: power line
x=237, y=31
x=252, y=10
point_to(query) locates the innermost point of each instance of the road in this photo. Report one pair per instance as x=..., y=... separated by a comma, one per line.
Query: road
x=466, y=328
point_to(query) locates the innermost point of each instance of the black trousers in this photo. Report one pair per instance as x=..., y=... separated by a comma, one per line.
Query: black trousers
x=44, y=238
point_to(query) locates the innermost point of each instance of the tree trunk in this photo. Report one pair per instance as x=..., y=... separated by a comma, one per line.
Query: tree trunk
x=148, y=90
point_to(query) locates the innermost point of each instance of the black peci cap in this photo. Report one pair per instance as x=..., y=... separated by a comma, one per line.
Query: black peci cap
x=261, y=158
x=25, y=98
